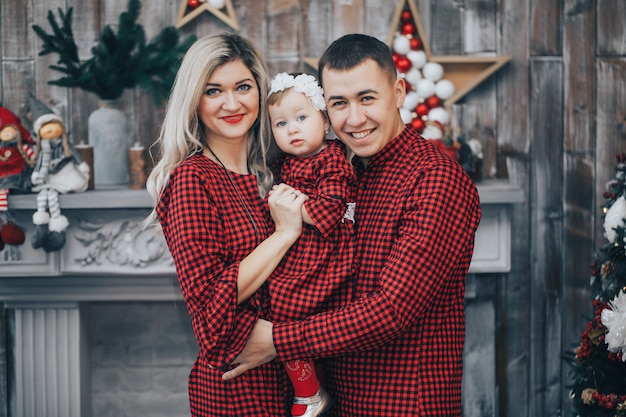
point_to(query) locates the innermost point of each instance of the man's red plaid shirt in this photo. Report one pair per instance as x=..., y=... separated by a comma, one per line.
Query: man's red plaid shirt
x=397, y=349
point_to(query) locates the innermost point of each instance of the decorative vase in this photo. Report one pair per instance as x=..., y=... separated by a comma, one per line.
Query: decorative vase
x=108, y=134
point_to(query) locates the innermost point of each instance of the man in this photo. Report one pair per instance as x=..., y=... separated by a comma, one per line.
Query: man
x=397, y=348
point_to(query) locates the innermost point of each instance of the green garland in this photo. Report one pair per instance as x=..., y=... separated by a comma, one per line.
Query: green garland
x=120, y=61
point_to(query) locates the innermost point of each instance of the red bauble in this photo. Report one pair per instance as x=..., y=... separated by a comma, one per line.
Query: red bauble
x=416, y=44
x=422, y=109
x=406, y=16
x=433, y=101
x=408, y=29
x=395, y=57
x=418, y=124
x=193, y=3
x=403, y=64
x=12, y=234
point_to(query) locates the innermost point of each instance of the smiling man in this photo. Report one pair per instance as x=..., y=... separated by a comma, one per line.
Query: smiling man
x=397, y=348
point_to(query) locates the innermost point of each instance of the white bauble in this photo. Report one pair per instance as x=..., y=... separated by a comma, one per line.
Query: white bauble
x=433, y=71
x=425, y=88
x=413, y=76
x=432, y=131
x=218, y=4
x=411, y=100
x=439, y=114
x=406, y=115
x=444, y=89
x=401, y=45
x=417, y=58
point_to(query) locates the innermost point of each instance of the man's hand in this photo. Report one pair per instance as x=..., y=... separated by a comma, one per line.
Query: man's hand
x=259, y=350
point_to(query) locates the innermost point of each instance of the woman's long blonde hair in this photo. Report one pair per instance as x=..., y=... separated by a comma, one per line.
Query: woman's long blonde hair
x=181, y=134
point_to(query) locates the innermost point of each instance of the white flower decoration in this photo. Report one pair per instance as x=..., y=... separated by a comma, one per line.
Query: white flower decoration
x=302, y=83
x=614, y=319
x=614, y=218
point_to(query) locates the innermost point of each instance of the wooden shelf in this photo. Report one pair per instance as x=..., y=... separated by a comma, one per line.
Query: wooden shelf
x=492, y=191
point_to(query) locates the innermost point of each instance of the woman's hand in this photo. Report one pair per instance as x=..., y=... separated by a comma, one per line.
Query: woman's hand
x=286, y=209
x=259, y=349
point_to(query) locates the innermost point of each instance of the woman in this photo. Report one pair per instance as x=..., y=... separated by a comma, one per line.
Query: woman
x=209, y=186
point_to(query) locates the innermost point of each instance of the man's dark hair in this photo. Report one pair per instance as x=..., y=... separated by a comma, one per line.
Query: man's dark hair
x=351, y=50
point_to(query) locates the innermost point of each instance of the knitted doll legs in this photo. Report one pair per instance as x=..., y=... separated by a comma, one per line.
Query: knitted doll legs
x=51, y=224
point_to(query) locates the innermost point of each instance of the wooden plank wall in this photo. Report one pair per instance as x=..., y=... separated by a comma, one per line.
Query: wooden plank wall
x=552, y=120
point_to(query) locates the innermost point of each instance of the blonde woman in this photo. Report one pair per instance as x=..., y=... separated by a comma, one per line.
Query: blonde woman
x=209, y=187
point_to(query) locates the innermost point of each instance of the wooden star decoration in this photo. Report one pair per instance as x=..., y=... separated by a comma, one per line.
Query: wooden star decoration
x=226, y=14
x=465, y=72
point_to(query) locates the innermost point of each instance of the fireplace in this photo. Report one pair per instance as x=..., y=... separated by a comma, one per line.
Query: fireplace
x=99, y=328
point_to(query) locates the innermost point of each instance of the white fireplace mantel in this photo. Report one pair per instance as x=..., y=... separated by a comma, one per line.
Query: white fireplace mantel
x=108, y=256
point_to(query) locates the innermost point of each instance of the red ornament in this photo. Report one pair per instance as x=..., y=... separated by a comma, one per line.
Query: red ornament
x=404, y=64
x=406, y=16
x=395, y=57
x=408, y=29
x=12, y=234
x=422, y=109
x=416, y=44
x=193, y=3
x=433, y=101
x=418, y=124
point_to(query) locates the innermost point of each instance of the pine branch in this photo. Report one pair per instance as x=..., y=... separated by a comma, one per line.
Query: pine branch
x=119, y=61
x=61, y=43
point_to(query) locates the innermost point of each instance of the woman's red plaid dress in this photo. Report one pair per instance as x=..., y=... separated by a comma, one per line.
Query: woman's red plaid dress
x=208, y=231
x=401, y=339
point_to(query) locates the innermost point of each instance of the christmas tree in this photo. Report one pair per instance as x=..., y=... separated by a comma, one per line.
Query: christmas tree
x=598, y=387
x=120, y=60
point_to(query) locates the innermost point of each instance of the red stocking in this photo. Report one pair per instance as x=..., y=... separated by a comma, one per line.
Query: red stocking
x=304, y=380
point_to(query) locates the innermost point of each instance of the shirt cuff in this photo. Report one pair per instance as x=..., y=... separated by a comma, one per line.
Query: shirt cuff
x=289, y=341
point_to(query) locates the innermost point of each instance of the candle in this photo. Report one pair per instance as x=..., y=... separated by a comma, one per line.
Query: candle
x=136, y=167
x=86, y=153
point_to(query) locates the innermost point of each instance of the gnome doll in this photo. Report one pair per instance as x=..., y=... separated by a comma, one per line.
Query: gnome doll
x=16, y=162
x=58, y=169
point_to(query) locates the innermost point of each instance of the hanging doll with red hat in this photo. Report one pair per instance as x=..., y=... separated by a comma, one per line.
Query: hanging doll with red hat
x=59, y=169
x=16, y=162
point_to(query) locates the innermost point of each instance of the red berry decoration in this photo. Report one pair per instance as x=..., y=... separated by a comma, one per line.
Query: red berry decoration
x=406, y=16
x=408, y=29
x=433, y=101
x=422, y=109
x=193, y=3
x=404, y=64
x=416, y=44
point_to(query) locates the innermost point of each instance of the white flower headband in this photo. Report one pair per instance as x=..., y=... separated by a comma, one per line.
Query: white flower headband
x=303, y=83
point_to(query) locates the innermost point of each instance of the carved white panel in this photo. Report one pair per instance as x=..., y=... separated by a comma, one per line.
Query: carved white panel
x=114, y=242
